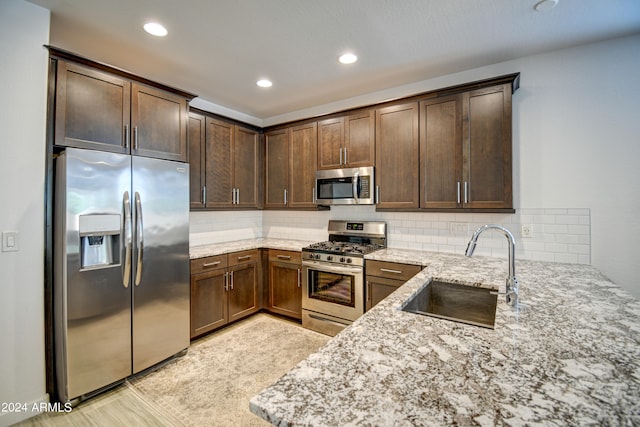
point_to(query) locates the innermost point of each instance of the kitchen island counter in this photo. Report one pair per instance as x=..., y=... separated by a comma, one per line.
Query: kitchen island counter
x=569, y=355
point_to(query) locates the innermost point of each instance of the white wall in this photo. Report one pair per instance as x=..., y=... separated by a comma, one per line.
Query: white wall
x=24, y=29
x=576, y=144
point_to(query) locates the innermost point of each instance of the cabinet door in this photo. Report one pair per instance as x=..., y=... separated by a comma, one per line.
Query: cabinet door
x=277, y=168
x=197, y=165
x=378, y=288
x=208, y=301
x=487, y=147
x=219, y=169
x=243, y=291
x=441, y=152
x=159, y=123
x=331, y=143
x=285, y=289
x=246, y=159
x=397, y=161
x=303, y=163
x=92, y=109
x=359, y=141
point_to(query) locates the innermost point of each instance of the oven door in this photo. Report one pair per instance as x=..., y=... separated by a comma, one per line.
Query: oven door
x=334, y=290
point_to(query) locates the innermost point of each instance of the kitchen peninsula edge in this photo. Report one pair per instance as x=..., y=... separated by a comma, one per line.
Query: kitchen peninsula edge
x=569, y=355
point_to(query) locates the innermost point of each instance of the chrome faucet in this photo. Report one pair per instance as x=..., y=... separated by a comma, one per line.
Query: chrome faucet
x=512, y=282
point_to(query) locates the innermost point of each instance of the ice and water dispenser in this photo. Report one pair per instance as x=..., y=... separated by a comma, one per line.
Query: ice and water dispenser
x=99, y=240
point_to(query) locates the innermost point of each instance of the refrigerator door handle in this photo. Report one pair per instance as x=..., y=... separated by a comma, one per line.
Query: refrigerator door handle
x=139, y=239
x=126, y=273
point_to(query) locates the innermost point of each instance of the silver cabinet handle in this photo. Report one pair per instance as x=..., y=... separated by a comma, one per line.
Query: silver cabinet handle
x=345, y=156
x=388, y=270
x=126, y=136
x=377, y=194
x=226, y=281
x=299, y=278
x=204, y=194
x=283, y=257
x=458, y=189
x=241, y=258
x=313, y=195
x=340, y=156
x=237, y=196
x=231, y=281
x=126, y=271
x=285, y=196
x=211, y=264
x=139, y=238
x=466, y=192
x=135, y=137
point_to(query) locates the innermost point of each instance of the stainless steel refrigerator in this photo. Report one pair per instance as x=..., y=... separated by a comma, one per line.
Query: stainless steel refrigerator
x=121, y=267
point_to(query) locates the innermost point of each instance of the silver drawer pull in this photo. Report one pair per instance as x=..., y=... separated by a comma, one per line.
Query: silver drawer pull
x=240, y=258
x=387, y=270
x=210, y=264
x=284, y=257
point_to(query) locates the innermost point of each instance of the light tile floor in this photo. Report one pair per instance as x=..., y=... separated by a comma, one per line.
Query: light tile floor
x=210, y=386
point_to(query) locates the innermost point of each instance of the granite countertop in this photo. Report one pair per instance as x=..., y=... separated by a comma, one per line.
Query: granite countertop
x=568, y=355
x=201, y=251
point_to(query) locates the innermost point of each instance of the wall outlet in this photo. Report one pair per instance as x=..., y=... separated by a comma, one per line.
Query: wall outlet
x=526, y=230
x=459, y=227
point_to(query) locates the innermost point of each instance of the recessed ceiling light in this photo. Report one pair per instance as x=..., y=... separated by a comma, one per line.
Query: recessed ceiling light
x=155, y=29
x=545, y=5
x=264, y=83
x=348, y=58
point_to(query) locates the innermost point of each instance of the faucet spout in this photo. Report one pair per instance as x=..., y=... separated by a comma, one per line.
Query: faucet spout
x=512, y=282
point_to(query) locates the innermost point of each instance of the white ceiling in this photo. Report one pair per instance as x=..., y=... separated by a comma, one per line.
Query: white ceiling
x=219, y=48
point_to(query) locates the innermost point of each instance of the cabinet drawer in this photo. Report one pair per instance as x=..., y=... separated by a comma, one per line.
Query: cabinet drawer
x=201, y=265
x=285, y=256
x=392, y=270
x=243, y=257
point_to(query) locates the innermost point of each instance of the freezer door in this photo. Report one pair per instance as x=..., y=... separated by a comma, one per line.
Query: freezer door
x=92, y=298
x=160, y=260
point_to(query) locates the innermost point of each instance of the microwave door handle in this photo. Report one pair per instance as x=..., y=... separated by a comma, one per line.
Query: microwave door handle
x=356, y=186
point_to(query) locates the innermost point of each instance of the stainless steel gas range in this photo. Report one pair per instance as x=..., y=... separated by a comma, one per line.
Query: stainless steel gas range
x=333, y=274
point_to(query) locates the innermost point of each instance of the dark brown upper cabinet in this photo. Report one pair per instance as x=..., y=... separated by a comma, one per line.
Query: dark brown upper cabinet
x=465, y=150
x=397, y=161
x=100, y=110
x=347, y=141
x=291, y=162
x=229, y=164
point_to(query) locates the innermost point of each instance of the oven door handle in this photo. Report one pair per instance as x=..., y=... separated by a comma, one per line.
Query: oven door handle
x=332, y=268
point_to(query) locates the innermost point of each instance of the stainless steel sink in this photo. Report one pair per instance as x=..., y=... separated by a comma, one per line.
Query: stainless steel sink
x=460, y=303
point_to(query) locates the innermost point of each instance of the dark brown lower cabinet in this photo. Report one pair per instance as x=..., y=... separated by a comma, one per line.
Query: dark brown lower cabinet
x=382, y=278
x=285, y=283
x=224, y=288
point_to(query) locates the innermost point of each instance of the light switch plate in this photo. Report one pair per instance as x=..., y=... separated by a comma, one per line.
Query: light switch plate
x=10, y=241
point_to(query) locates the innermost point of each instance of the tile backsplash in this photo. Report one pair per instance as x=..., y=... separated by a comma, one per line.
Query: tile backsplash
x=557, y=235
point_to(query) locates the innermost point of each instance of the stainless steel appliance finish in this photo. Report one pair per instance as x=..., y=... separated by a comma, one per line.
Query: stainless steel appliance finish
x=348, y=186
x=121, y=267
x=333, y=274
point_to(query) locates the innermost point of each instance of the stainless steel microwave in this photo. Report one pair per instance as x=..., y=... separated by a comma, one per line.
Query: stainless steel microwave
x=348, y=186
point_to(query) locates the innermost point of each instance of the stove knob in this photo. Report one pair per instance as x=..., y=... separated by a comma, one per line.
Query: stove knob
x=329, y=258
x=348, y=260
x=317, y=256
x=342, y=259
